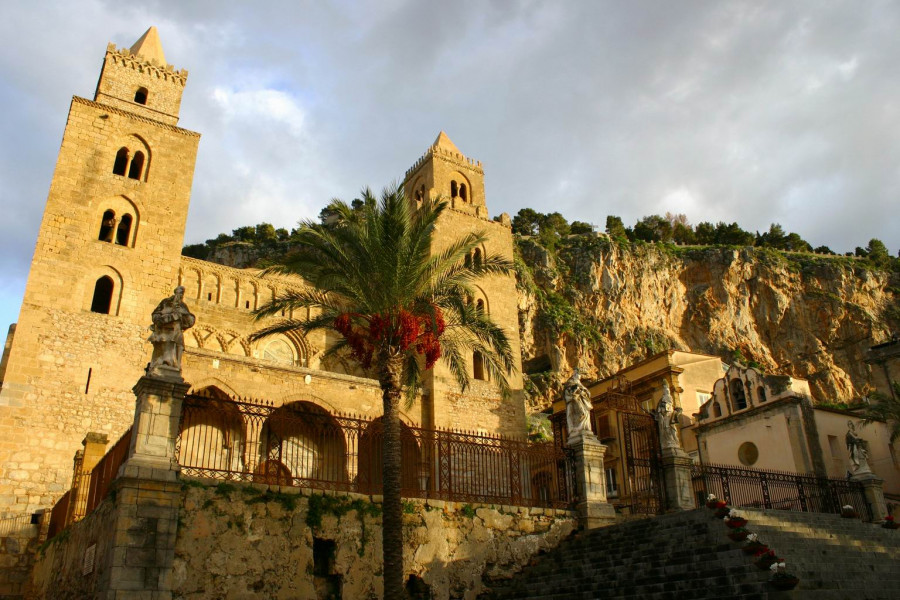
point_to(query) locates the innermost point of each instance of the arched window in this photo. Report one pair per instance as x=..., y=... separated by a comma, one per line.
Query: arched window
x=123, y=233
x=107, y=226
x=761, y=394
x=462, y=192
x=478, y=365
x=477, y=257
x=103, y=291
x=738, y=395
x=140, y=96
x=121, y=163
x=480, y=305
x=467, y=261
x=454, y=189
x=137, y=166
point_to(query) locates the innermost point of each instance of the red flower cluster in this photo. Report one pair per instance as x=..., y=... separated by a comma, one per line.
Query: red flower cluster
x=402, y=329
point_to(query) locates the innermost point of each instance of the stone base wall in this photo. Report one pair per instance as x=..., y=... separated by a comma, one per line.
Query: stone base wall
x=18, y=542
x=254, y=541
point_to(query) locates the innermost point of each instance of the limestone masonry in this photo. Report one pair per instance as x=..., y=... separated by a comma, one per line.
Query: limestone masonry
x=109, y=249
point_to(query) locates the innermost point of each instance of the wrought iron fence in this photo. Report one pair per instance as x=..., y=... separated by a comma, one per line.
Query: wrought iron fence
x=105, y=471
x=59, y=515
x=301, y=444
x=754, y=488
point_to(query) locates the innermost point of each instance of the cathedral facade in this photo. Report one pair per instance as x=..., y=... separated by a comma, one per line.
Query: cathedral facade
x=109, y=248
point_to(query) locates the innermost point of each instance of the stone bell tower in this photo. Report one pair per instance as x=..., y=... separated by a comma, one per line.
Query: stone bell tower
x=108, y=248
x=444, y=172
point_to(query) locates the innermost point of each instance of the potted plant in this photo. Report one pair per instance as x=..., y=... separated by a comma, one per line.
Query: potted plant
x=848, y=512
x=722, y=511
x=738, y=535
x=735, y=520
x=754, y=546
x=889, y=523
x=765, y=559
x=781, y=579
x=711, y=502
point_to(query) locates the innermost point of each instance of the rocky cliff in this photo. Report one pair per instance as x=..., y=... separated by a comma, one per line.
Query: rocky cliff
x=602, y=305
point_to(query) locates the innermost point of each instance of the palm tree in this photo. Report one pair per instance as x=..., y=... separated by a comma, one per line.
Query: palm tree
x=398, y=307
x=885, y=408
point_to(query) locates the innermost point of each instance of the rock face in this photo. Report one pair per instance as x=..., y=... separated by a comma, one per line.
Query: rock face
x=610, y=304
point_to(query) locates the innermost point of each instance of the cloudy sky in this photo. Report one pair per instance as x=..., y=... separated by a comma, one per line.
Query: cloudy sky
x=755, y=112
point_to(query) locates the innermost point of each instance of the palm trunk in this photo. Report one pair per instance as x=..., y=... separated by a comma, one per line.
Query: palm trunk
x=392, y=507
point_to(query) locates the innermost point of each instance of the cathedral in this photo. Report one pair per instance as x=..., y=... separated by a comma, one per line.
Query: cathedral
x=109, y=249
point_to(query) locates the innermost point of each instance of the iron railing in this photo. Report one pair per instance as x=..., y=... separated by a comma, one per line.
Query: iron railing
x=755, y=488
x=59, y=515
x=105, y=471
x=300, y=444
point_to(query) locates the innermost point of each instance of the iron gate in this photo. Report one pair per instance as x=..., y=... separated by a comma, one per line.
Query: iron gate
x=643, y=472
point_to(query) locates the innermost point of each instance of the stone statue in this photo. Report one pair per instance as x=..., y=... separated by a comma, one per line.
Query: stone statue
x=170, y=319
x=578, y=407
x=858, y=449
x=666, y=416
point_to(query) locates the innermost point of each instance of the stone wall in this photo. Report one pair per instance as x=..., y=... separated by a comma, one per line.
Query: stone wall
x=18, y=541
x=251, y=541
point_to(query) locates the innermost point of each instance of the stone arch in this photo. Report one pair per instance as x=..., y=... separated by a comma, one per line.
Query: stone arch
x=228, y=296
x=115, y=293
x=306, y=441
x=211, y=287
x=213, y=434
x=110, y=215
x=190, y=279
x=204, y=334
x=370, y=476
x=280, y=349
x=460, y=188
x=133, y=158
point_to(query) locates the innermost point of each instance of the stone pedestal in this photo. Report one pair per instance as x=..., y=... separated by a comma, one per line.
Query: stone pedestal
x=872, y=487
x=593, y=509
x=676, y=466
x=151, y=454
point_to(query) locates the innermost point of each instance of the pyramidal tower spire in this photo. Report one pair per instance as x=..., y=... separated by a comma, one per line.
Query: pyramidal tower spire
x=444, y=142
x=140, y=81
x=149, y=47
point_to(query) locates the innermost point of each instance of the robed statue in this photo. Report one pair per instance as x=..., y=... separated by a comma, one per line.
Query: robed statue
x=858, y=449
x=170, y=319
x=578, y=407
x=667, y=415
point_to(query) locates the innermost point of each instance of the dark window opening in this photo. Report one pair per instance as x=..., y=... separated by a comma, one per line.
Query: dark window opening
x=462, y=191
x=738, y=396
x=209, y=297
x=717, y=410
x=107, y=226
x=121, y=162
x=454, y=189
x=477, y=258
x=140, y=96
x=479, y=306
x=761, y=393
x=468, y=261
x=478, y=365
x=417, y=589
x=137, y=166
x=103, y=291
x=124, y=231
x=326, y=581
x=247, y=304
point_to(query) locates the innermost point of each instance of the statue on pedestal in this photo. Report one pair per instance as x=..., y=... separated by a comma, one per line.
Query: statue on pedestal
x=858, y=449
x=578, y=407
x=170, y=319
x=667, y=416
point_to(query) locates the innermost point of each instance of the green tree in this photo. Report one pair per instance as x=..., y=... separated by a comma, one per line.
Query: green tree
x=878, y=253
x=886, y=408
x=397, y=308
x=705, y=233
x=614, y=227
x=526, y=222
x=580, y=228
x=653, y=229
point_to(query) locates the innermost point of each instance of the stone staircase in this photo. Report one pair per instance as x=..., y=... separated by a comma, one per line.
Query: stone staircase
x=688, y=555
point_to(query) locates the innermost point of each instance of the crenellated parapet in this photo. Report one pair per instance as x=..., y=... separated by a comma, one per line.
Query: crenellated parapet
x=124, y=57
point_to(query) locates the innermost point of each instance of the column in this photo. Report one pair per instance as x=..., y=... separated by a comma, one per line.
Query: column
x=593, y=509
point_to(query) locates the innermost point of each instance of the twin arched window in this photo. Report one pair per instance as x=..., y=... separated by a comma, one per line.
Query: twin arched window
x=115, y=230
x=458, y=190
x=738, y=394
x=132, y=165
